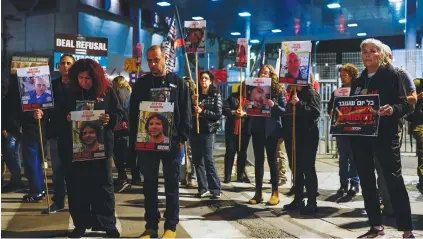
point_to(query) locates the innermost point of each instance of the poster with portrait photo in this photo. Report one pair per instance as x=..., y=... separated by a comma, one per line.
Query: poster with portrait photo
x=35, y=88
x=154, y=126
x=257, y=93
x=295, y=63
x=82, y=105
x=195, y=36
x=160, y=94
x=27, y=61
x=355, y=115
x=87, y=135
x=241, y=52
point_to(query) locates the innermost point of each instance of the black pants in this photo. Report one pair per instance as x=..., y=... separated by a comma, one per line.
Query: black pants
x=90, y=193
x=260, y=142
x=418, y=135
x=149, y=164
x=305, y=163
x=232, y=148
x=121, y=154
x=202, y=156
x=387, y=151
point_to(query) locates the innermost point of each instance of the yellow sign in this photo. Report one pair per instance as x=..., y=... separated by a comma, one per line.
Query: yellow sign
x=130, y=65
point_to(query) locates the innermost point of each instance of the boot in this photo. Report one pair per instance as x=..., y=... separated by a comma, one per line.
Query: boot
x=274, y=199
x=149, y=233
x=343, y=189
x=169, y=234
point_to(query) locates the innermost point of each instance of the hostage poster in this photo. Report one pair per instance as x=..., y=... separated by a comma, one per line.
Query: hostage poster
x=195, y=36
x=295, y=63
x=241, y=52
x=154, y=126
x=355, y=115
x=87, y=135
x=35, y=88
x=258, y=92
x=27, y=61
x=80, y=47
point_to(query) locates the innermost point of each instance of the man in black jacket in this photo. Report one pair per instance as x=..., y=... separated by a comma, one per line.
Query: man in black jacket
x=149, y=160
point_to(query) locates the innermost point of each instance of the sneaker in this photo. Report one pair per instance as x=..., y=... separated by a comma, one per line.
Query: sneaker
x=204, y=194
x=294, y=205
x=309, y=209
x=373, y=232
x=54, y=208
x=124, y=184
x=291, y=191
x=354, y=189
x=216, y=196
x=77, y=233
x=343, y=189
x=411, y=235
x=12, y=187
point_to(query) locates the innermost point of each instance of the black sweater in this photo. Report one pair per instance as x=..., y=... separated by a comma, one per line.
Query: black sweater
x=141, y=91
x=232, y=103
x=211, y=113
x=385, y=82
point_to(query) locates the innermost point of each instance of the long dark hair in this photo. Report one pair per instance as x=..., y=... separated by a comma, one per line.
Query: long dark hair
x=212, y=87
x=162, y=118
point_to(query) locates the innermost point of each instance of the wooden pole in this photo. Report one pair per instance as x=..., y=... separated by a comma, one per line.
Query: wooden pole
x=45, y=165
x=240, y=107
x=198, y=96
x=294, y=147
x=187, y=162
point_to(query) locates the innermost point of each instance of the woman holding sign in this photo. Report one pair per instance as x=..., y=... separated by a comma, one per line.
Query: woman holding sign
x=265, y=132
x=380, y=78
x=90, y=184
x=210, y=112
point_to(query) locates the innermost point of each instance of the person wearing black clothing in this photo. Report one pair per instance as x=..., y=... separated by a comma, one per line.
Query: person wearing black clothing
x=380, y=78
x=307, y=104
x=416, y=120
x=347, y=169
x=150, y=160
x=60, y=87
x=209, y=111
x=232, y=124
x=265, y=133
x=89, y=183
x=31, y=148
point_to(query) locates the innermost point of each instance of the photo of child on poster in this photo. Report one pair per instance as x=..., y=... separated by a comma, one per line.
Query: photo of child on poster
x=154, y=126
x=35, y=88
x=241, y=53
x=258, y=92
x=87, y=135
x=355, y=115
x=295, y=63
x=195, y=38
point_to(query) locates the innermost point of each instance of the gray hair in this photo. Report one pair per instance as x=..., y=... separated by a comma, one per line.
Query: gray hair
x=384, y=59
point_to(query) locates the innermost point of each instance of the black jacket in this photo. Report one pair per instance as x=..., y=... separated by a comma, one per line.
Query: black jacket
x=230, y=104
x=307, y=113
x=211, y=113
x=179, y=94
x=272, y=125
x=387, y=83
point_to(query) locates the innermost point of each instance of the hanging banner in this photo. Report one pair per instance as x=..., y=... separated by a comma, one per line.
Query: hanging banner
x=35, y=88
x=241, y=52
x=295, y=63
x=258, y=92
x=355, y=115
x=80, y=47
x=87, y=135
x=154, y=126
x=195, y=38
x=27, y=61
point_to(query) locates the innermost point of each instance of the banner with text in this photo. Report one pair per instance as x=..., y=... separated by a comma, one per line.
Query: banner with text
x=355, y=115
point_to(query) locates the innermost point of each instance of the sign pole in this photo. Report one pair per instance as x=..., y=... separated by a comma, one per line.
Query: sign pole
x=294, y=148
x=240, y=108
x=197, y=93
x=45, y=165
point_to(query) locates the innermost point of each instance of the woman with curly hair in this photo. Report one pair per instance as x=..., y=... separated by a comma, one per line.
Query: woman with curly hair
x=266, y=132
x=90, y=184
x=347, y=169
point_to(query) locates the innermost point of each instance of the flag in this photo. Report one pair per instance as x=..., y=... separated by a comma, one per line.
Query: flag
x=171, y=43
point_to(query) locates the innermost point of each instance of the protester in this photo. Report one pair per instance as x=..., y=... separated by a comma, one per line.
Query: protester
x=150, y=160
x=265, y=132
x=380, y=77
x=234, y=120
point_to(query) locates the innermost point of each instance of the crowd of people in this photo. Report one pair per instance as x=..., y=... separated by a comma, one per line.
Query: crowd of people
x=291, y=131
